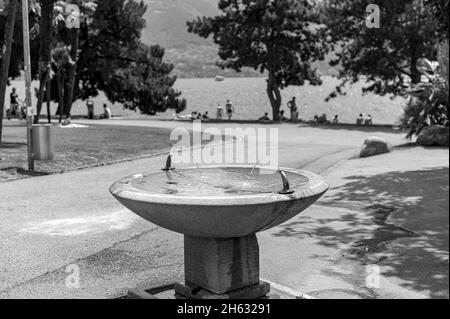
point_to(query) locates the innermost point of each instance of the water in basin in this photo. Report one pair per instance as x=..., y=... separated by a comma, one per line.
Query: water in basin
x=217, y=182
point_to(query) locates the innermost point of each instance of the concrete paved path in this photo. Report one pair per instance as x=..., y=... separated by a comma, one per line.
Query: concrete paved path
x=53, y=225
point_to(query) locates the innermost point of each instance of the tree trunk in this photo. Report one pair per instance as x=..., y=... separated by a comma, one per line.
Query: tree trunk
x=45, y=48
x=72, y=72
x=415, y=74
x=60, y=80
x=49, y=99
x=6, y=57
x=273, y=91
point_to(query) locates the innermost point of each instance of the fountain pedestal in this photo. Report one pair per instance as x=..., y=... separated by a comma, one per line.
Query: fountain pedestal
x=222, y=268
x=219, y=209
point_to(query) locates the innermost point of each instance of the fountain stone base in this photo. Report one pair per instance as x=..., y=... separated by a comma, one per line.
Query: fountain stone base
x=222, y=268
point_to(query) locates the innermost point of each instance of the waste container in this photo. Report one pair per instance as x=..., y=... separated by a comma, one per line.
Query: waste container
x=43, y=149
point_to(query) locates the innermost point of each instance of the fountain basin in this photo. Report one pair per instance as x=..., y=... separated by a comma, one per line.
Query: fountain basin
x=219, y=201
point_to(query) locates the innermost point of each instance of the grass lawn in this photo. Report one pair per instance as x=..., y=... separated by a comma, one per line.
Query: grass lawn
x=78, y=147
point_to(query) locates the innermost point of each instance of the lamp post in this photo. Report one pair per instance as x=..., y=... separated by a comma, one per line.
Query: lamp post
x=27, y=63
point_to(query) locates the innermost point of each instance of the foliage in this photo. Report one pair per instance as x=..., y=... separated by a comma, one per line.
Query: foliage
x=276, y=37
x=16, y=63
x=146, y=85
x=440, y=10
x=429, y=101
x=111, y=54
x=385, y=57
x=109, y=44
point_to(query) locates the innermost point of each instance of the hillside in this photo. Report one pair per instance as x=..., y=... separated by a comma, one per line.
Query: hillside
x=166, y=25
x=192, y=56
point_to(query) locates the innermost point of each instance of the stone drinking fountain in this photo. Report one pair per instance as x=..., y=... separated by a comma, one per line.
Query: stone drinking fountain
x=219, y=210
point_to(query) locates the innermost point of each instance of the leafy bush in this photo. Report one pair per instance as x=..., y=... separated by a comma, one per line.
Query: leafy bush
x=429, y=100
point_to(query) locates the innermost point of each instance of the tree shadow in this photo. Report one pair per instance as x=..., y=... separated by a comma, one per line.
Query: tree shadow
x=412, y=206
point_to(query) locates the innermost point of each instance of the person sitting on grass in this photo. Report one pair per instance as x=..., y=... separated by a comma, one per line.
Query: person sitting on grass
x=107, y=114
x=183, y=117
x=336, y=119
x=316, y=119
x=281, y=117
x=205, y=116
x=360, y=120
x=265, y=118
x=368, y=121
x=323, y=119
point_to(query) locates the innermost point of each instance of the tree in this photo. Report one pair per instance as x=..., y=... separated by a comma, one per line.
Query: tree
x=87, y=8
x=280, y=38
x=113, y=59
x=6, y=56
x=387, y=56
x=45, y=49
x=69, y=19
x=101, y=52
x=147, y=85
x=108, y=44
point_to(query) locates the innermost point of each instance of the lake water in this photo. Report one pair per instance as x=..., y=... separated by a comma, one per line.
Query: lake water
x=251, y=102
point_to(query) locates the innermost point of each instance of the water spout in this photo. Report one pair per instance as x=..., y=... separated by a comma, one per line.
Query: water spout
x=168, y=164
x=286, y=187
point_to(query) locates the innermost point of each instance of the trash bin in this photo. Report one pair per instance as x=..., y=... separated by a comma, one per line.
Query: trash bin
x=43, y=149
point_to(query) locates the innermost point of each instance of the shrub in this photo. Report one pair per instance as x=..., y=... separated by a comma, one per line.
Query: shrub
x=428, y=104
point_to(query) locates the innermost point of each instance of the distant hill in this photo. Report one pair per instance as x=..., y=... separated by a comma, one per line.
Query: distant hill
x=193, y=57
x=166, y=25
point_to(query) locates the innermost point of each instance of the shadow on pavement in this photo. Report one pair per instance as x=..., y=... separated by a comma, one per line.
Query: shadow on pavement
x=412, y=206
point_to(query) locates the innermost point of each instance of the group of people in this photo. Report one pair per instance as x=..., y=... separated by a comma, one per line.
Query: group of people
x=194, y=116
x=368, y=121
x=16, y=108
x=90, y=105
x=229, y=109
x=323, y=119
x=221, y=111
x=292, y=106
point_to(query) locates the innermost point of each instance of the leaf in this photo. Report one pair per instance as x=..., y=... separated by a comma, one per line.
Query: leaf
x=426, y=67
